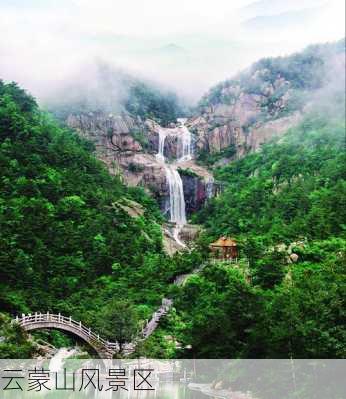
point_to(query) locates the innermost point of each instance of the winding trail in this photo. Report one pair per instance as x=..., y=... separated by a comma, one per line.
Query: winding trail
x=103, y=347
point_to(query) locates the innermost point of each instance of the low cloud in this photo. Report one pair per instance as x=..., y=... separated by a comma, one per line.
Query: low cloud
x=187, y=46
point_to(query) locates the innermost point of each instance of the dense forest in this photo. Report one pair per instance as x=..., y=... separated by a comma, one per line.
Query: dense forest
x=287, y=199
x=66, y=243
x=69, y=244
x=285, y=205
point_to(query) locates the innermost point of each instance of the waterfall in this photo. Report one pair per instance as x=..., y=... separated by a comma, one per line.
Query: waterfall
x=210, y=187
x=56, y=362
x=185, y=154
x=186, y=142
x=176, y=196
x=176, y=192
x=160, y=156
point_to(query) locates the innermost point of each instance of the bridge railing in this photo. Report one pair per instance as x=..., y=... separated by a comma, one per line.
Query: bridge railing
x=148, y=329
x=26, y=320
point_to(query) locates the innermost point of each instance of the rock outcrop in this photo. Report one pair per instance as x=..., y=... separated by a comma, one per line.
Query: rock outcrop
x=265, y=100
x=233, y=133
x=198, y=185
x=128, y=146
x=244, y=120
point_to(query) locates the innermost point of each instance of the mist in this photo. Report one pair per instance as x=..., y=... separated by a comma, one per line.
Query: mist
x=330, y=98
x=58, y=48
x=95, y=86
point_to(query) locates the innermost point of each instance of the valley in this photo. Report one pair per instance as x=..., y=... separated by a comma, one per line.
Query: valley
x=103, y=210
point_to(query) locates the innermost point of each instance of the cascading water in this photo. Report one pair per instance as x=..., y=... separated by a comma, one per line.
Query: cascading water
x=56, y=362
x=175, y=183
x=160, y=155
x=185, y=137
x=176, y=196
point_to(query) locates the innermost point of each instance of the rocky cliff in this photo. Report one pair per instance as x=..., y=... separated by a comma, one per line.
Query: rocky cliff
x=128, y=145
x=240, y=114
x=240, y=119
x=226, y=127
x=233, y=118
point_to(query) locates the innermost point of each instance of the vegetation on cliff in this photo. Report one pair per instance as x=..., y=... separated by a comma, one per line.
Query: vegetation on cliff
x=286, y=207
x=293, y=186
x=70, y=243
x=287, y=79
x=149, y=102
x=67, y=243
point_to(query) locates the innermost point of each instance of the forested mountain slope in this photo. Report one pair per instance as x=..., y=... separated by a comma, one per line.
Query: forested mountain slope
x=72, y=238
x=284, y=203
x=294, y=186
x=237, y=115
x=285, y=206
x=75, y=240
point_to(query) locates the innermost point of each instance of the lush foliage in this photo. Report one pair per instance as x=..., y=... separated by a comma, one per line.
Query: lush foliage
x=222, y=315
x=151, y=102
x=67, y=243
x=204, y=157
x=284, y=202
x=119, y=321
x=294, y=187
x=187, y=172
x=14, y=343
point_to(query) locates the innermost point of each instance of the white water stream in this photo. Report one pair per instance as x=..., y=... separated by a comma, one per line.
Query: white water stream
x=176, y=191
x=57, y=361
x=186, y=148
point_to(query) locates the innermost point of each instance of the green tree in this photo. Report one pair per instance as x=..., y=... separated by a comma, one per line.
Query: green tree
x=270, y=270
x=119, y=321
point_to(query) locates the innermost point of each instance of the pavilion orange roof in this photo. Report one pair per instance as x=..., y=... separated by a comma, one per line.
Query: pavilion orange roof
x=224, y=242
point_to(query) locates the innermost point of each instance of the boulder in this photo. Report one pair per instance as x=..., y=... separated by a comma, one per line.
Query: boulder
x=294, y=257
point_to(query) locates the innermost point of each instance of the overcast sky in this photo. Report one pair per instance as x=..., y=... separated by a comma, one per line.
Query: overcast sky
x=188, y=44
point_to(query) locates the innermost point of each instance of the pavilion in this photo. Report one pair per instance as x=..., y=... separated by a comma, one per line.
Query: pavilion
x=225, y=248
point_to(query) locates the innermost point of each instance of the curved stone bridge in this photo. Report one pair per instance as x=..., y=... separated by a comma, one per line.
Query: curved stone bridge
x=105, y=349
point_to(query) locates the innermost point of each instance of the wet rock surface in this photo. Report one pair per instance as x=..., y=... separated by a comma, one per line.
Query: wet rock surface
x=128, y=146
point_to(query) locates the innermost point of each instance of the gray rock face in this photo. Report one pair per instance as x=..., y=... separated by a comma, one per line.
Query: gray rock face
x=116, y=139
x=128, y=146
x=244, y=118
x=214, y=139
